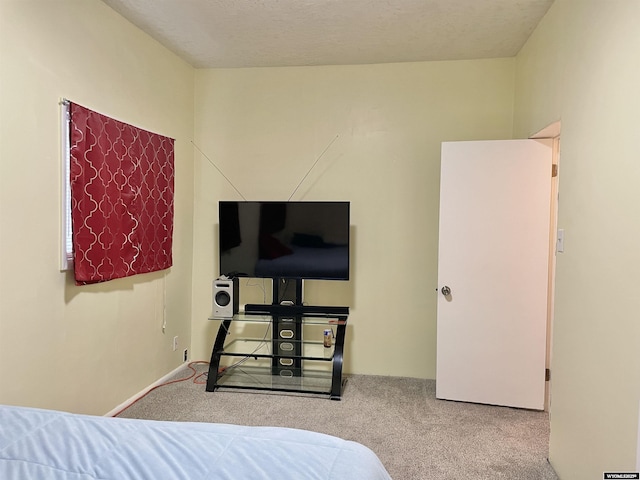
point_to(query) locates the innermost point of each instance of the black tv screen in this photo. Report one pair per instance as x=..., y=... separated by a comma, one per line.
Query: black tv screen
x=297, y=240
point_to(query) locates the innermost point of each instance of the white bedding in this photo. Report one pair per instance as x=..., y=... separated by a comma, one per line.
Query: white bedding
x=43, y=444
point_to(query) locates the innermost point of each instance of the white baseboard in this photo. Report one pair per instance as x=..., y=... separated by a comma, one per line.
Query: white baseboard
x=131, y=400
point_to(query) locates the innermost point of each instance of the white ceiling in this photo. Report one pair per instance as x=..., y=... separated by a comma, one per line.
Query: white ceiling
x=260, y=33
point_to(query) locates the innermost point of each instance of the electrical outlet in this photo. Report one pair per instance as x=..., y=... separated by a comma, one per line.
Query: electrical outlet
x=185, y=355
x=175, y=343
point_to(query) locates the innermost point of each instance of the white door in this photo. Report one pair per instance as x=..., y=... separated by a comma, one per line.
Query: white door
x=494, y=257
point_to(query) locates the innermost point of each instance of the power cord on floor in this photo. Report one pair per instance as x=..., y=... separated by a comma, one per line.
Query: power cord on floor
x=196, y=380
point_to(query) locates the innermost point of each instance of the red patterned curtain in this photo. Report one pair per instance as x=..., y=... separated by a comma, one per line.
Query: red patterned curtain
x=122, y=181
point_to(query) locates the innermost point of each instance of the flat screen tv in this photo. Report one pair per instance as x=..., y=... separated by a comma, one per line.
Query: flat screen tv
x=292, y=240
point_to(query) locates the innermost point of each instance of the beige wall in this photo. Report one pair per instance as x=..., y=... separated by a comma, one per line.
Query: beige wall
x=83, y=349
x=581, y=66
x=264, y=128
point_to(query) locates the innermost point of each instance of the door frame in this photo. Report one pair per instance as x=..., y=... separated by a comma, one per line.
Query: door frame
x=552, y=132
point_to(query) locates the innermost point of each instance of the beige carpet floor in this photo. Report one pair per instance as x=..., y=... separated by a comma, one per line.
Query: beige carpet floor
x=416, y=436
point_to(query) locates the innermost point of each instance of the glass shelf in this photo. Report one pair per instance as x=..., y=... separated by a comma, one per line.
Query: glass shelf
x=262, y=378
x=306, y=319
x=265, y=348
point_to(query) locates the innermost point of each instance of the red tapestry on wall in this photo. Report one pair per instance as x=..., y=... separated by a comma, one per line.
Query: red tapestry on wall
x=122, y=181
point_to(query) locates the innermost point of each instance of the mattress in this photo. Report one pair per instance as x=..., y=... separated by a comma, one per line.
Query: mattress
x=45, y=444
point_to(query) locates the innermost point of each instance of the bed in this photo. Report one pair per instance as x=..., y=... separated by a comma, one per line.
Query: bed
x=52, y=445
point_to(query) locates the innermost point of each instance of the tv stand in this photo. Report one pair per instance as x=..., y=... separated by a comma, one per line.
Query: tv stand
x=286, y=361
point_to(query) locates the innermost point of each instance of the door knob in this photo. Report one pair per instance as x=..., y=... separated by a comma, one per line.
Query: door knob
x=446, y=291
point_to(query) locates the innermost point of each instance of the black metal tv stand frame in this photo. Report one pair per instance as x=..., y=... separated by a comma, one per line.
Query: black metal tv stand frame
x=287, y=351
